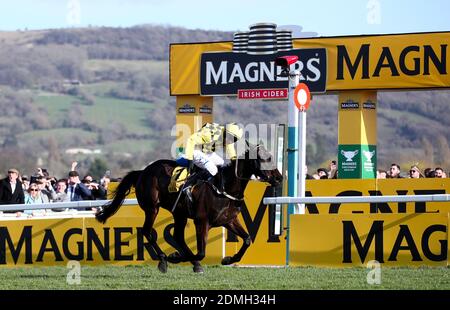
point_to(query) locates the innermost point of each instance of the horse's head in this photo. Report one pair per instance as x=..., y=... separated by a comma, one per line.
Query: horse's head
x=261, y=164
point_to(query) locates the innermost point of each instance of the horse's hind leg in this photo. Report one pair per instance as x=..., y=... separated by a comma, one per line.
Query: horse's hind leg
x=149, y=203
x=150, y=216
x=236, y=228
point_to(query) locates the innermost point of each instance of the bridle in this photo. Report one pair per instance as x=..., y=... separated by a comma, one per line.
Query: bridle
x=237, y=163
x=223, y=192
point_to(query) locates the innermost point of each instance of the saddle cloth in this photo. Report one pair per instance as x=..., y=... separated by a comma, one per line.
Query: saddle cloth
x=179, y=176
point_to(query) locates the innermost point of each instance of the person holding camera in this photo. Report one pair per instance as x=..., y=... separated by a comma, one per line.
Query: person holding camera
x=46, y=188
x=97, y=190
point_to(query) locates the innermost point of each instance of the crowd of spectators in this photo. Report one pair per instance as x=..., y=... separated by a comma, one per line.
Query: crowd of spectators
x=394, y=172
x=414, y=172
x=42, y=188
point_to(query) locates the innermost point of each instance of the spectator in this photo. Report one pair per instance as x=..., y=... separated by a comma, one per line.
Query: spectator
x=414, y=172
x=97, y=190
x=77, y=191
x=25, y=182
x=333, y=170
x=439, y=173
x=35, y=196
x=46, y=189
x=61, y=191
x=61, y=194
x=322, y=173
x=11, y=190
x=394, y=172
x=427, y=171
x=431, y=174
x=106, y=180
x=381, y=174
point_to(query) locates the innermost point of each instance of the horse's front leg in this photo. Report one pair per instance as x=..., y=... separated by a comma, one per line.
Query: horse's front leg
x=185, y=253
x=236, y=228
x=201, y=229
x=150, y=216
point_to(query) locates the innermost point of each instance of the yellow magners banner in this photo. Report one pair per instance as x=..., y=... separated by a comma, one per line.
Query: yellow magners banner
x=377, y=187
x=354, y=240
x=49, y=242
x=397, y=61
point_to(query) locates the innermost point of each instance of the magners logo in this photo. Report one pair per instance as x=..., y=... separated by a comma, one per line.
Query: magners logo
x=226, y=73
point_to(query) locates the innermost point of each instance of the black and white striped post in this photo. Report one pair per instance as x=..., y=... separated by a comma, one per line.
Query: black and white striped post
x=240, y=42
x=262, y=39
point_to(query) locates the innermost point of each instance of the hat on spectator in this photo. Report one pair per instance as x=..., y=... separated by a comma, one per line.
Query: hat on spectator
x=74, y=174
x=13, y=170
x=415, y=168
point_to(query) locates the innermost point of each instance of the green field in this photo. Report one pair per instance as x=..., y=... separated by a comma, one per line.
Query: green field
x=107, y=114
x=122, y=65
x=225, y=278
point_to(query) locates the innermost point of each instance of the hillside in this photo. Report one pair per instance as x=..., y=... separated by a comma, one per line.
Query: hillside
x=105, y=90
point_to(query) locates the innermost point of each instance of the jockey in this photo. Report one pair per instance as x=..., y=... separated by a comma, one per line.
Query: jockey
x=200, y=150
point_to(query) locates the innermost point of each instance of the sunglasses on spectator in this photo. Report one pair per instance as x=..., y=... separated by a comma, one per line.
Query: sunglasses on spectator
x=34, y=190
x=412, y=171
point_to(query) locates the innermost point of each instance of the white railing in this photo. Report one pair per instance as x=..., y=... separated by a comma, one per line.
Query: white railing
x=357, y=199
x=63, y=205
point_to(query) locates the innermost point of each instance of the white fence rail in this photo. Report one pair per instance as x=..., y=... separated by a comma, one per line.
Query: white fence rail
x=358, y=199
x=63, y=205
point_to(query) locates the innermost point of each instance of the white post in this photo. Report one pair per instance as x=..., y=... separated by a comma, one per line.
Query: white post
x=301, y=160
x=294, y=78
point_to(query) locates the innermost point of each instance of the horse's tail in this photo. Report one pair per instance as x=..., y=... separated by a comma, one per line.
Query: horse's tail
x=120, y=193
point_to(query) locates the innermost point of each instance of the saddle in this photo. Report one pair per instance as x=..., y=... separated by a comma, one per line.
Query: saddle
x=179, y=176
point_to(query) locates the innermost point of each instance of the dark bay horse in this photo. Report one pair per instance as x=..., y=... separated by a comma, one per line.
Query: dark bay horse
x=213, y=207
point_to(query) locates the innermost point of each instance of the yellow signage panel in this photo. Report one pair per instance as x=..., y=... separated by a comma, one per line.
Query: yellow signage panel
x=397, y=61
x=185, y=65
x=385, y=61
x=120, y=241
x=266, y=248
x=354, y=240
x=356, y=121
x=378, y=187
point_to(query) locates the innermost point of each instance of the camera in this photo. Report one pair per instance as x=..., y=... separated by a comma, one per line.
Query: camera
x=285, y=62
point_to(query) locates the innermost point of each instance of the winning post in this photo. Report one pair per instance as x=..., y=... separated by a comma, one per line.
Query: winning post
x=302, y=99
x=299, y=100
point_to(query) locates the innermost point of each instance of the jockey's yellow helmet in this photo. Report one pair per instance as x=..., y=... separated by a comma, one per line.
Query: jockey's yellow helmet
x=234, y=130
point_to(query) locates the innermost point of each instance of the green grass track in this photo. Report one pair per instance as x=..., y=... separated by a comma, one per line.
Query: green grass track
x=224, y=278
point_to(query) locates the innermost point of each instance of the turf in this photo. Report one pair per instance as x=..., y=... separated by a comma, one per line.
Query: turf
x=224, y=278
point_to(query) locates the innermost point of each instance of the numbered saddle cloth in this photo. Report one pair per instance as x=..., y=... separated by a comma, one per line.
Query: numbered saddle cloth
x=179, y=176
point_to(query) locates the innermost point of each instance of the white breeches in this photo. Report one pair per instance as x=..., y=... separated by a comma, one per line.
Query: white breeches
x=208, y=161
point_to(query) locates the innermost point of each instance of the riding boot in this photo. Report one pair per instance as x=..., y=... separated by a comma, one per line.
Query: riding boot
x=191, y=182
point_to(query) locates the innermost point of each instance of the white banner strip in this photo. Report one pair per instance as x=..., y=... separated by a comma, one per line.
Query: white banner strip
x=63, y=205
x=358, y=199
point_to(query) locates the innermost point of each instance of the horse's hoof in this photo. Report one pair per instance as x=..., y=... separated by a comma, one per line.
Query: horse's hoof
x=227, y=260
x=198, y=269
x=162, y=266
x=174, y=258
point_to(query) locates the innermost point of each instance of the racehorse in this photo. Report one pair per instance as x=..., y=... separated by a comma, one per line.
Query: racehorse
x=212, y=206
